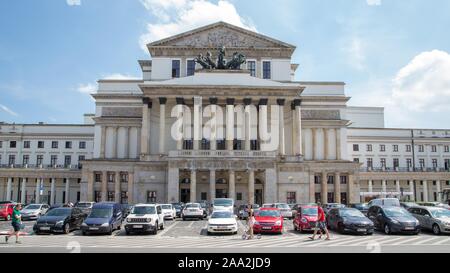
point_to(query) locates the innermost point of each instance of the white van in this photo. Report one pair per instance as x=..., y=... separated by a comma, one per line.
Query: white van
x=221, y=204
x=391, y=202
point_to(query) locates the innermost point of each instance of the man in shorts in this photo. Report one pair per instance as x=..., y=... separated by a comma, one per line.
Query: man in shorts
x=16, y=223
x=320, y=224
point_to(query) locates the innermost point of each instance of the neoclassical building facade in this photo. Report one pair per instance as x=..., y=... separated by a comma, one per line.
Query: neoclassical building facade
x=137, y=156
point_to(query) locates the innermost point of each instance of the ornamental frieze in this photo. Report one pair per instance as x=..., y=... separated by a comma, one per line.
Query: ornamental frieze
x=321, y=115
x=121, y=112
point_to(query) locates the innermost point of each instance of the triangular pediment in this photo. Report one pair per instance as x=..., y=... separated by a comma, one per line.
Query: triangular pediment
x=221, y=34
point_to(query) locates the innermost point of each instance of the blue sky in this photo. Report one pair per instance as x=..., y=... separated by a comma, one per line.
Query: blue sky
x=391, y=53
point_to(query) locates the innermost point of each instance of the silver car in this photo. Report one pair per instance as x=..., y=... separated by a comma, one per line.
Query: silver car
x=34, y=211
x=432, y=218
x=285, y=210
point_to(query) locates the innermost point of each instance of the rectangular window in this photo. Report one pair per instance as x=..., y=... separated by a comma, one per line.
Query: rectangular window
x=291, y=198
x=421, y=149
x=435, y=163
x=369, y=147
x=344, y=198
x=422, y=163
x=82, y=145
x=317, y=180
x=343, y=179
x=40, y=144
x=54, y=144
x=318, y=197
x=53, y=160
x=396, y=163
x=123, y=177
x=67, y=160
x=267, y=74
x=446, y=149
x=111, y=197
x=39, y=160
x=408, y=148
x=251, y=66
x=204, y=196
x=330, y=197
x=382, y=148
x=369, y=163
x=111, y=177
x=330, y=180
x=409, y=162
x=356, y=160
x=98, y=196
x=151, y=197
x=383, y=162
x=11, y=160
x=433, y=148
x=238, y=196
x=26, y=144
x=1, y=144
x=190, y=68
x=80, y=159
x=26, y=159
x=12, y=144
x=78, y=196
x=175, y=68
x=395, y=148
x=355, y=147
x=124, y=197
x=68, y=144
x=98, y=177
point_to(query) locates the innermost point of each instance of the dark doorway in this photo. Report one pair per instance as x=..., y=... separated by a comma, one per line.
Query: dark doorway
x=185, y=195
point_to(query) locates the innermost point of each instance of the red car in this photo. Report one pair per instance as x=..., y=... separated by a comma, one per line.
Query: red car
x=6, y=211
x=306, y=218
x=268, y=220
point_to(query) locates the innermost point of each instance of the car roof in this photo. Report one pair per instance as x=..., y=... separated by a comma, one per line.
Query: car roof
x=105, y=205
x=268, y=209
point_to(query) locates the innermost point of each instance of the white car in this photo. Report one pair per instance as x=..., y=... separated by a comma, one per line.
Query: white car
x=145, y=218
x=220, y=204
x=222, y=222
x=192, y=210
x=34, y=211
x=169, y=211
x=285, y=210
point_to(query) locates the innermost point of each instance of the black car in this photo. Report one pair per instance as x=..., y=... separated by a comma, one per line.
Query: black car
x=178, y=209
x=60, y=220
x=392, y=219
x=55, y=206
x=349, y=220
x=362, y=207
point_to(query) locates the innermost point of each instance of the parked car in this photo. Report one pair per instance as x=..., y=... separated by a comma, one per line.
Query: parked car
x=223, y=204
x=268, y=220
x=205, y=208
x=329, y=206
x=86, y=207
x=60, y=220
x=104, y=218
x=408, y=205
x=362, y=207
x=444, y=206
x=306, y=218
x=222, y=222
x=393, y=219
x=6, y=210
x=433, y=204
x=192, y=210
x=178, y=209
x=432, y=218
x=285, y=210
x=391, y=202
x=55, y=206
x=145, y=218
x=243, y=211
x=34, y=211
x=168, y=211
x=268, y=206
x=349, y=220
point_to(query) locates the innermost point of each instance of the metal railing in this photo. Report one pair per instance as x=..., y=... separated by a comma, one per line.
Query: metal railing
x=220, y=153
x=42, y=166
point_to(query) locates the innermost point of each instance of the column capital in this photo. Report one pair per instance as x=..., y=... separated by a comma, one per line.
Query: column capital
x=263, y=101
x=162, y=100
x=147, y=101
x=297, y=102
x=213, y=101
x=281, y=102
x=180, y=101
x=247, y=101
x=231, y=101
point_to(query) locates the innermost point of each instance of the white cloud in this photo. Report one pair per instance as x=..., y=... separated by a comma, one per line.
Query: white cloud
x=118, y=76
x=87, y=88
x=73, y=2
x=373, y=2
x=355, y=50
x=177, y=16
x=7, y=110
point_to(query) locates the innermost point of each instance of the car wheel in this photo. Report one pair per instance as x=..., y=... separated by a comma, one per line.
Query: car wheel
x=8, y=218
x=436, y=229
x=208, y=233
x=127, y=232
x=387, y=229
x=295, y=228
x=66, y=228
x=84, y=233
x=163, y=226
x=340, y=228
x=184, y=219
x=111, y=229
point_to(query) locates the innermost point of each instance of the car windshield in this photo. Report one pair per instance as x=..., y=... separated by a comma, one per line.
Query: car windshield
x=283, y=206
x=223, y=202
x=351, y=213
x=143, y=210
x=441, y=213
x=395, y=212
x=221, y=214
x=269, y=213
x=166, y=207
x=33, y=207
x=192, y=206
x=177, y=206
x=83, y=205
x=59, y=212
x=310, y=211
x=101, y=213
x=2, y=207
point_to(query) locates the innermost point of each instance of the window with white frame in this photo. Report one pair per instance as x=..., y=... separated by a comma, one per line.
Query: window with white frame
x=395, y=148
x=175, y=68
x=421, y=148
x=433, y=148
x=267, y=73
x=422, y=163
x=251, y=66
x=369, y=147
x=190, y=68
x=408, y=148
x=382, y=148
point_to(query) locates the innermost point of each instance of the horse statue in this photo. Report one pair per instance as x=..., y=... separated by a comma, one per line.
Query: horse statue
x=236, y=62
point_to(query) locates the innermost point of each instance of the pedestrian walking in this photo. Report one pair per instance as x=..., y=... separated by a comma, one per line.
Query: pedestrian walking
x=250, y=221
x=321, y=224
x=16, y=223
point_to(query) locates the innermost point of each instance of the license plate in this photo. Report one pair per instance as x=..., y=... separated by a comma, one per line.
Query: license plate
x=138, y=226
x=93, y=228
x=267, y=228
x=45, y=228
x=362, y=230
x=409, y=228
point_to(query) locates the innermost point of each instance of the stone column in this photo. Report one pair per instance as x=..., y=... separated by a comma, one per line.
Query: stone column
x=337, y=188
x=294, y=129
x=117, y=188
x=162, y=124
x=338, y=144
x=145, y=132
x=67, y=190
x=38, y=189
x=298, y=129
x=411, y=189
x=193, y=197
x=370, y=186
x=312, y=188
x=230, y=124
x=425, y=191
x=324, y=188
x=198, y=121
x=212, y=184
x=23, y=195
x=8, y=189
x=271, y=186
x=173, y=185
x=314, y=141
x=180, y=104
x=90, y=187
x=248, y=124
x=214, y=127
x=397, y=188
x=251, y=187
x=383, y=188
x=127, y=143
x=52, y=191
x=104, y=186
x=115, y=142
x=351, y=190
x=325, y=143
x=232, y=185
x=439, y=191
x=282, y=146
x=130, y=188
x=103, y=142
